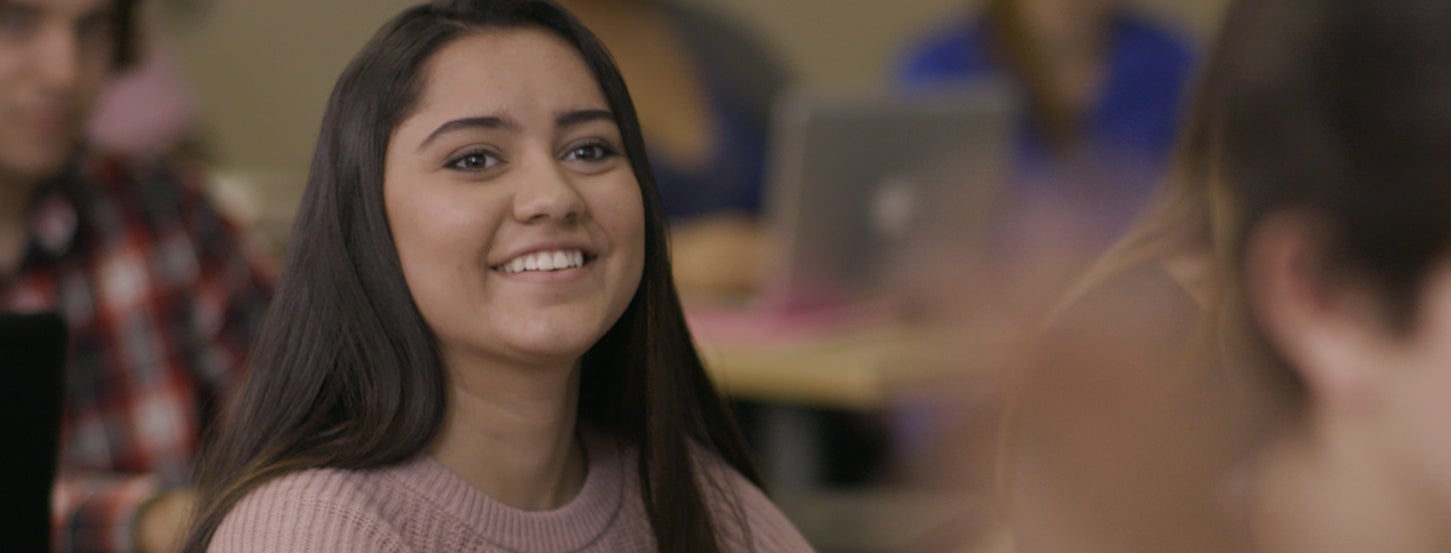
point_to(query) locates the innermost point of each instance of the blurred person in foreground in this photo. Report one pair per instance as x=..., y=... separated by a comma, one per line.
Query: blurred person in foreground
x=1262, y=364
x=705, y=86
x=156, y=288
x=1338, y=267
x=476, y=343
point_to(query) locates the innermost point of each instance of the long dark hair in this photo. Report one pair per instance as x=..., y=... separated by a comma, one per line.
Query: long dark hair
x=345, y=372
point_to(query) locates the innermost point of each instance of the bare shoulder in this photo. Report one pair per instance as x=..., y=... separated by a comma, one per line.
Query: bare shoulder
x=1116, y=359
x=1119, y=432
x=1147, y=304
x=319, y=510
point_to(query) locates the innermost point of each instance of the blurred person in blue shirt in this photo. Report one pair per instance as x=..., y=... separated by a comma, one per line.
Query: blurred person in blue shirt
x=703, y=85
x=1100, y=87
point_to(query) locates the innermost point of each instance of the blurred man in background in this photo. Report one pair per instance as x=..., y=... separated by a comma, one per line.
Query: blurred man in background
x=155, y=286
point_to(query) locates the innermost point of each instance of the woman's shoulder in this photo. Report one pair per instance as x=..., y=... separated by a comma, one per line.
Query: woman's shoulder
x=316, y=510
x=316, y=485
x=745, y=518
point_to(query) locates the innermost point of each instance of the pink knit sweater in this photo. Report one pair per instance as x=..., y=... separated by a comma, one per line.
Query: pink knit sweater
x=421, y=506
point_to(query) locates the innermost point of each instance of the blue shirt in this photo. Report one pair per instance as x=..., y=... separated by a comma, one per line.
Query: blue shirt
x=730, y=180
x=1130, y=131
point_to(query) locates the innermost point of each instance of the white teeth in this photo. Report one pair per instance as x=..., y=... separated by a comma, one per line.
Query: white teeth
x=543, y=261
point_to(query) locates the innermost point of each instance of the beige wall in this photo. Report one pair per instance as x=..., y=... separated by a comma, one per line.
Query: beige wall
x=263, y=68
x=854, y=42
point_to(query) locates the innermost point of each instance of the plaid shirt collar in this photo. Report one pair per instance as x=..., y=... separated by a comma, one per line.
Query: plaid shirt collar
x=54, y=224
x=55, y=220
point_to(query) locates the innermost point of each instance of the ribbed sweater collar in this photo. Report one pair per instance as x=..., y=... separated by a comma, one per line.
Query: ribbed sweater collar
x=571, y=527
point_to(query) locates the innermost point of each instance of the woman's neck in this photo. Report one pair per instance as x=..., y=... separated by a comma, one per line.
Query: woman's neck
x=511, y=434
x=1067, y=29
x=1070, y=48
x=1315, y=494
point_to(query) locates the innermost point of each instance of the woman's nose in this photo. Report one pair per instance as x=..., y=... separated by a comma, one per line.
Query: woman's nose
x=547, y=193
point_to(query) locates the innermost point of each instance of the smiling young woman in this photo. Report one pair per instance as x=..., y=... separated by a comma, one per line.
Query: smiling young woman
x=476, y=344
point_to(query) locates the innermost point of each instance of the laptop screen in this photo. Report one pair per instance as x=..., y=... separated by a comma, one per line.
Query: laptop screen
x=859, y=181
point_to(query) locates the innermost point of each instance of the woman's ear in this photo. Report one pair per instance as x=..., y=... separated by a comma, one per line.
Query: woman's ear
x=1326, y=326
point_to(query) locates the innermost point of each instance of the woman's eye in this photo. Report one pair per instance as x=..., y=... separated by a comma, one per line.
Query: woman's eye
x=589, y=152
x=473, y=161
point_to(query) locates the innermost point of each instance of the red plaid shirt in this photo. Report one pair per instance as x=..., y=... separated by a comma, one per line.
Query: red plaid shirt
x=162, y=300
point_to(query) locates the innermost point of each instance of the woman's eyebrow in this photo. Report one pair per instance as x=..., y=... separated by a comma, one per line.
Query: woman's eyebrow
x=480, y=122
x=567, y=119
x=582, y=116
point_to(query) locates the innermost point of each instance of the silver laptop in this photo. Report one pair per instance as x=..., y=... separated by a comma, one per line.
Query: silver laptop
x=864, y=188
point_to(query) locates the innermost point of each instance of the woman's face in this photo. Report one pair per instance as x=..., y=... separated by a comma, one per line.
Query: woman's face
x=516, y=216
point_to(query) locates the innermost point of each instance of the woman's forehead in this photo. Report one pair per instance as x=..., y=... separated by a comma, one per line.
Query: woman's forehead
x=509, y=69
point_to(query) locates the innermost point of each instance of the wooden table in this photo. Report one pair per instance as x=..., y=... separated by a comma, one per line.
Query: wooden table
x=866, y=367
